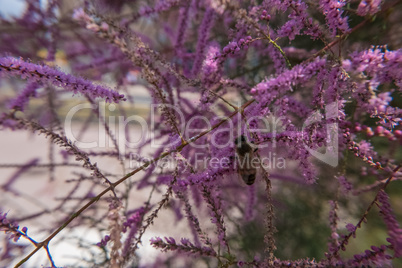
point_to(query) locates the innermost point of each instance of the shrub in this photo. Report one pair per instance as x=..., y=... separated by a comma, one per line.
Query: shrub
x=227, y=133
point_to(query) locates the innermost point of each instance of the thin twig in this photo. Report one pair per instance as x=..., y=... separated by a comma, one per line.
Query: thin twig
x=128, y=175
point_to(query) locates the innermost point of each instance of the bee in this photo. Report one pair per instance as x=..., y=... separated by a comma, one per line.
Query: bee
x=246, y=164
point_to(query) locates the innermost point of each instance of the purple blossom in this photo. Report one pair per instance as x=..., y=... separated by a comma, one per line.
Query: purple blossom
x=271, y=87
x=332, y=10
x=22, y=99
x=376, y=256
x=132, y=223
x=333, y=220
x=298, y=19
x=394, y=230
x=104, y=241
x=203, y=32
x=366, y=148
x=350, y=227
x=184, y=19
x=381, y=102
x=159, y=7
x=235, y=47
x=379, y=63
x=269, y=70
x=368, y=7
x=211, y=67
x=80, y=15
x=185, y=247
x=346, y=186
x=265, y=16
x=45, y=74
x=293, y=26
x=11, y=227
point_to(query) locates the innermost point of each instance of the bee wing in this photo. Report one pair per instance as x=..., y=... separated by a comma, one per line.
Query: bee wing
x=249, y=179
x=248, y=175
x=245, y=166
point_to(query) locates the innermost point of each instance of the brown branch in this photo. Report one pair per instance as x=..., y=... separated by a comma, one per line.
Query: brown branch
x=363, y=218
x=128, y=175
x=358, y=26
